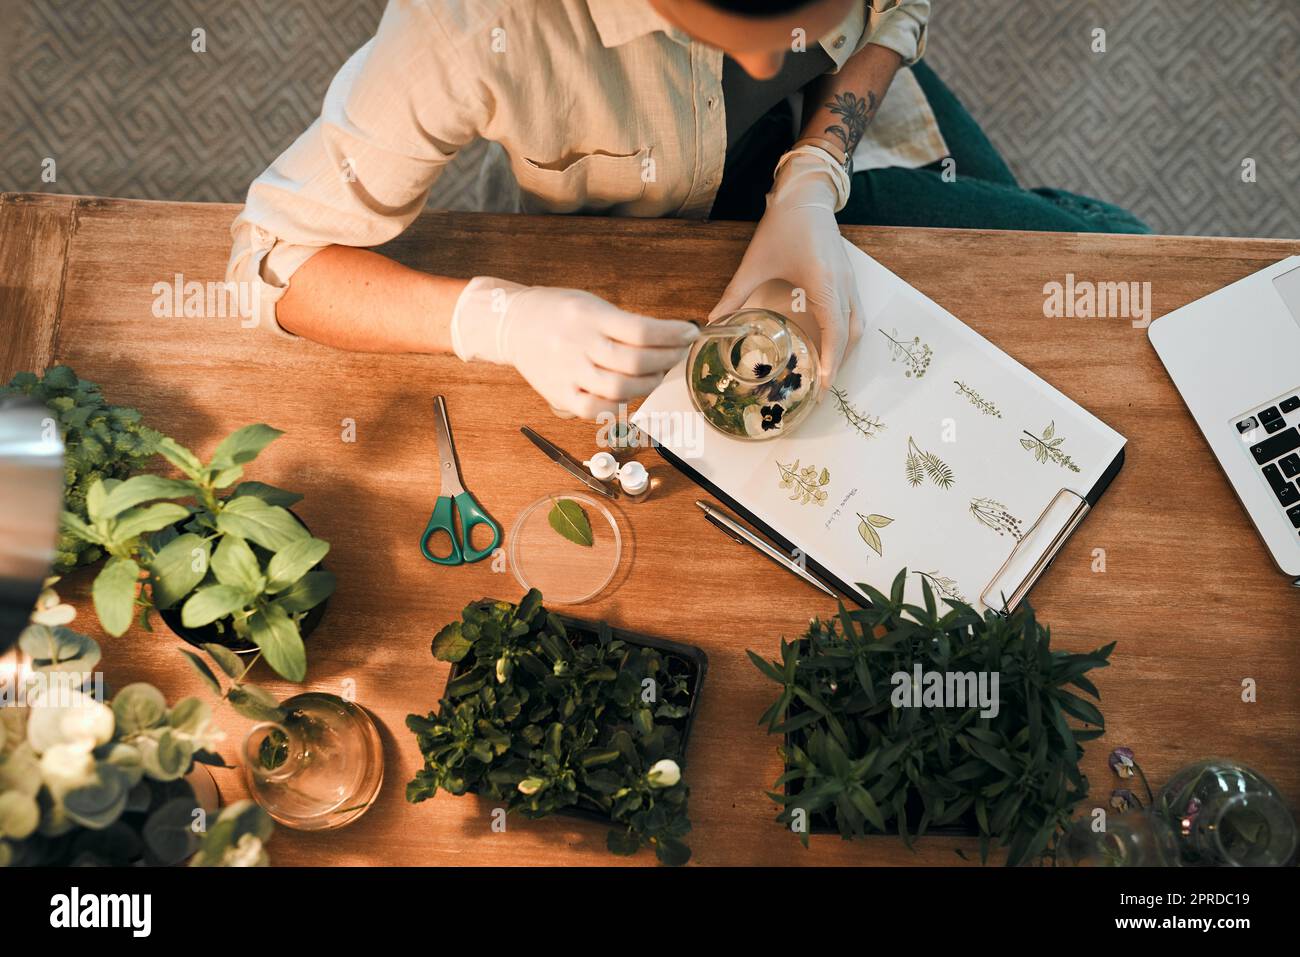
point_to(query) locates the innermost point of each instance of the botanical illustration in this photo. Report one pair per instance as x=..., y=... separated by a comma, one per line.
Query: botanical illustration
x=914, y=355
x=1048, y=447
x=921, y=465
x=868, y=425
x=946, y=587
x=867, y=529
x=808, y=484
x=994, y=514
x=977, y=400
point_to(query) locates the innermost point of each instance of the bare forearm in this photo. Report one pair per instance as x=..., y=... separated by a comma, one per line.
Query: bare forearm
x=840, y=106
x=355, y=299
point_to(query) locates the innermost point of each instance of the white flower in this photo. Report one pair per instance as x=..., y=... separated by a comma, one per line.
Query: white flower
x=664, y=774
x=753, y=419
x=67, y=766
x=247, y=852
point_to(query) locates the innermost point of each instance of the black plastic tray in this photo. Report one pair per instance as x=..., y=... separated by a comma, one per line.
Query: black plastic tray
x=694, y=657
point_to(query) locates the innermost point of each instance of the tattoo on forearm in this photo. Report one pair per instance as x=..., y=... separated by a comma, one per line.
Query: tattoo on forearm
x=855, y=113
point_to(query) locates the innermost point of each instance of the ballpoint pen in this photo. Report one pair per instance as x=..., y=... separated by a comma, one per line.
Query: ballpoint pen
x=740, y=533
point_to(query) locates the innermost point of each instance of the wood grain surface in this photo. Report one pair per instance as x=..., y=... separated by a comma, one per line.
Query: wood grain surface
x=1187, y=589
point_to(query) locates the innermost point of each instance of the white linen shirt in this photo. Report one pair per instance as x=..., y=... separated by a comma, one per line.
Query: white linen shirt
x=600, y=105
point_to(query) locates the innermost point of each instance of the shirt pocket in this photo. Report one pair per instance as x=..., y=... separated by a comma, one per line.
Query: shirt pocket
x=588, y=183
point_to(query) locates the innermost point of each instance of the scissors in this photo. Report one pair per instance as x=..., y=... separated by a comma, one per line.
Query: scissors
x=453, y=500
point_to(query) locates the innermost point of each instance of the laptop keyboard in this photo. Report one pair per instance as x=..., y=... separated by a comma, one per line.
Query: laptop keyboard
x=1274, y=436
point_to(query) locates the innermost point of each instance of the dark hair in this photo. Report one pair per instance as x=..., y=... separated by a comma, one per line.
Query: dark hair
x=759, y=8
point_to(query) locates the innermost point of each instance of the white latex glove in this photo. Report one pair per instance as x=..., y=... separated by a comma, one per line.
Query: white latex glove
x=582, y=355
x=799, y=241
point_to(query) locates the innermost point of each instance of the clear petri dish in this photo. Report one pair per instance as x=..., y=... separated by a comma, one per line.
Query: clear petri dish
x=564, y=572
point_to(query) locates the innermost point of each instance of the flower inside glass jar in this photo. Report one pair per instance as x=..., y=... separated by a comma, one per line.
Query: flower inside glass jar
x=753, y=374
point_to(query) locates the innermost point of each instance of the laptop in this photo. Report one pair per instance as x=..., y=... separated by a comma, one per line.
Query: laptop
x=1235, y=358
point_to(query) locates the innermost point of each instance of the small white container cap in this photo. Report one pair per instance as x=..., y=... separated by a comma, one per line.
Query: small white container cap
x=602, y=465
x=633, y=477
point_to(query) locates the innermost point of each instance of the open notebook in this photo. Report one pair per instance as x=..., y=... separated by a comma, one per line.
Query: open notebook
x=935, y=451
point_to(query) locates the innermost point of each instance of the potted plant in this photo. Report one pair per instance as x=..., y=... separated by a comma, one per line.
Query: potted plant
x=550, y=715
x=84, y=782
x=858, y=763
x=236, y=569
x=101, y=441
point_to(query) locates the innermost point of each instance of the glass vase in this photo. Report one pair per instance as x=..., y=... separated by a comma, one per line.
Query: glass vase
x=320, y=768
x=1132, y=839
x=753, y=374
x=1225, y=814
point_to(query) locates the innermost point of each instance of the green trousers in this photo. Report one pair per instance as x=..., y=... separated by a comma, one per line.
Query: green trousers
x=980, y=192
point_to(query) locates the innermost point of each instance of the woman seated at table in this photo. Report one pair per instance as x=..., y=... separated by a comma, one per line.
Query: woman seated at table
x=628, y=107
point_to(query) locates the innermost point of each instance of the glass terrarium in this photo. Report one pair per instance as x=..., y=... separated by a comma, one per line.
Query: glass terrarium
x=753, y=374
x=1225, y=814
x=320, y=768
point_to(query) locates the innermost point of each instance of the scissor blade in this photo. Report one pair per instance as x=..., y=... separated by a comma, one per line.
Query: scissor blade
x=448, y=467
x=568, y=463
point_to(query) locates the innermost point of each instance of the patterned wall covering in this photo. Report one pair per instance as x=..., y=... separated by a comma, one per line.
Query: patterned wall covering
x=111, y=90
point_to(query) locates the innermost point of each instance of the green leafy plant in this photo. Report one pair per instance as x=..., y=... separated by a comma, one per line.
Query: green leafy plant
x=542, y=719
x=84, y=782
x=859, y=764
x=101, y=441
x=568, y=518
x=240, y=562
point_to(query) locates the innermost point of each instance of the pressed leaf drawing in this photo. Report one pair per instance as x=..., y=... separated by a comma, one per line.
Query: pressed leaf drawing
x=1048, y=447
x=868, y=425
x=808, y=484
x=914, y=355
x=995, y=515
x=946, y=587
x=867, y=529
x=922, y=465
x=977, y=400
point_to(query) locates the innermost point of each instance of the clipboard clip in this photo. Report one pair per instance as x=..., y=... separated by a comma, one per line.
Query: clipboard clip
x=1026, y=563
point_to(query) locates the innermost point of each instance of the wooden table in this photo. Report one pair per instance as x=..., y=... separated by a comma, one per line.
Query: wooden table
x=1188, y=590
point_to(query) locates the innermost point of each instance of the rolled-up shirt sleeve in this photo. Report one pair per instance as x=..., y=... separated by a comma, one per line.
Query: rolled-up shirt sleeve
x=900, y=27
x=395, y=114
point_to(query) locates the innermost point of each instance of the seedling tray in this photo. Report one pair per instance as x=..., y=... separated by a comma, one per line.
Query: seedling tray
x=694, y=659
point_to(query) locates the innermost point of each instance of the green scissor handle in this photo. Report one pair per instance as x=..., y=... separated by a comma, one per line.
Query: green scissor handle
x=444, y=519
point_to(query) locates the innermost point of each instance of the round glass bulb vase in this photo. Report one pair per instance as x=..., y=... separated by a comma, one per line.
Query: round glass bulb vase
x=1131, y=839
x=321, y=768
x=753, y=374
x=1225, y=814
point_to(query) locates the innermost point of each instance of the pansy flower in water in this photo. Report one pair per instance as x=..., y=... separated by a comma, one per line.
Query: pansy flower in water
x=761, y=419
